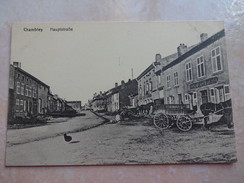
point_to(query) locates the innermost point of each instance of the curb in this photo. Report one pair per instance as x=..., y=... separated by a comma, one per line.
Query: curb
x=106, y=119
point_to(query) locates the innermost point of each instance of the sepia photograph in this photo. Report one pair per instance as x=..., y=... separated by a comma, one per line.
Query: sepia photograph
x=114, y=93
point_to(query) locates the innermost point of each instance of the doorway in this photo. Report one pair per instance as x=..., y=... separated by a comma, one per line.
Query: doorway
x=204, y=96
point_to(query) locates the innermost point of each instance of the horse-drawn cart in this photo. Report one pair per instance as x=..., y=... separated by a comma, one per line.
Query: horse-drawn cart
x=183, y=117
x=170, y=114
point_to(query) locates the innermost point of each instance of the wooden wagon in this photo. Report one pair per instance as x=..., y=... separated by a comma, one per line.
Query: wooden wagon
x=180, y=114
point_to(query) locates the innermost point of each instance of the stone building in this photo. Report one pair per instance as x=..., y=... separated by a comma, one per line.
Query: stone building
x=42, y=93
x=198, y=75
x=50, y=102
x=119, y=97
x=76, y=105
x=98, y=102
x=146, y=85
x=58, y=104
x=23, y=93
x=112, y=99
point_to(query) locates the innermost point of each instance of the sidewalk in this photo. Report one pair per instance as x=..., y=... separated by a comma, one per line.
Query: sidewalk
x=53, y=129
x=111, y=118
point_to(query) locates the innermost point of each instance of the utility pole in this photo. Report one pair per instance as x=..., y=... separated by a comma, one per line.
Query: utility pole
x=132, y=73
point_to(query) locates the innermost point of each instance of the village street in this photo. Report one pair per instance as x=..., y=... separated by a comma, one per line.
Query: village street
x=130, y=142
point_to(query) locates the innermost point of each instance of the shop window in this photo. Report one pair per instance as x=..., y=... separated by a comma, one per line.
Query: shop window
x=200, y=67
x=212, y=95
x=216, y=60
x=187, y=98
x=188, y=72
x=227, y=92
x=194, y=98
x=168, y=100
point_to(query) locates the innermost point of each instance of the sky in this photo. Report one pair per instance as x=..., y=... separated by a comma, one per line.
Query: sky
x=95, y=55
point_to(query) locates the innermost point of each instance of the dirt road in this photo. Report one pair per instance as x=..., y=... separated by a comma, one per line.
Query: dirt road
x=129, y=142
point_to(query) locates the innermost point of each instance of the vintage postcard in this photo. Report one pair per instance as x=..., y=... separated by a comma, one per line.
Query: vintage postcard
x=97, y=93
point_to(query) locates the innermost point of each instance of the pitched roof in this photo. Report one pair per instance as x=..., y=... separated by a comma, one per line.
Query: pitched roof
x=31, y=76
x=196, y=48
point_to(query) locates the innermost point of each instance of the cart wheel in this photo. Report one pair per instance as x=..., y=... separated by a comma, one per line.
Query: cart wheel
x=184, y=123
x=161, y=121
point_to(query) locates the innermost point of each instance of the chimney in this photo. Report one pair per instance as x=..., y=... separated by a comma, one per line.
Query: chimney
x=122, y=82
x=17, y=64
x=204, y=37
x=157, y=57
x=181, y=49
x=101, y=92
x=116, y=85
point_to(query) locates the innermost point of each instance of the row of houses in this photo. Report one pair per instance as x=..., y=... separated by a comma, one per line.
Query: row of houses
x=29, y=96
x=192, y=75
x=116, y=98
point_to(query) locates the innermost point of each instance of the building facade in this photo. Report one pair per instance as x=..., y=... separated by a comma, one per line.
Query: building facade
x=146, y=86
x=119, y=97
x=76, y=105
x=23, y=93
x=198, y=75
x=99, y=103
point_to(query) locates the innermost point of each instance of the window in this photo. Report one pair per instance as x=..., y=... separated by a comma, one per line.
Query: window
x=17, y=101
x=159, y=78
x=176, y=80
x=34, y=92
x=18, y=87
x=212, y=95
x=147, y=87
x=194, y=98
x=216, y=60
x=187, y=98
x=22, y=88
x=21, y=105
x=26, y=90
x=168, y=100
x=200, y=67
x=168, y=81
x=144, y=88
x=150, y=86
x=140, y=91
x=188, y=72
x=24, y=108
x=29, y=93
x=227, y=92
